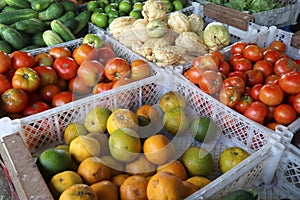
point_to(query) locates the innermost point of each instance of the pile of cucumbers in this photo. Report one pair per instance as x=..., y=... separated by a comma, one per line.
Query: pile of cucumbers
x=30, y=24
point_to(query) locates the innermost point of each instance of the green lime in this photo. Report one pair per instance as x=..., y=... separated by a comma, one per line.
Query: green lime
x=169, y=5
x=138, y=6
x=110, y=19
x=110, y=6
x=125, y=6
x=100, y=19
x=136, y=13
x=204, y=128
x=113, y=13
x=177, y=5
x=103, y=3
x=92, y=5
x=98, y=10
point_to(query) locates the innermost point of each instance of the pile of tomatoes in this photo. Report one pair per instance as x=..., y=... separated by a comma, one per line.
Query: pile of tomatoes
x=263, y=84
x=30, y=84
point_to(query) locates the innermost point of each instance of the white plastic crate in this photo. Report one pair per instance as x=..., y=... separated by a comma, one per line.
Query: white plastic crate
x=279, y=17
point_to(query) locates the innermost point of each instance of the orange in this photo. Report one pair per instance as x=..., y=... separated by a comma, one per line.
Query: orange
x=158, y=149
x=78, y=192
x=189, y=188
x=119, y=179
x=175, y=167
x=73, y=130
x=115, y=166
x=134, y=187
x=106, y=190
x=140, y=166
x=199, y=181
x=93, y=170
x=149, y=112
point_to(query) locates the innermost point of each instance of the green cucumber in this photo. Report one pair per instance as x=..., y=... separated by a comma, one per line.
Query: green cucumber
x=10, y=17
x=14, y=37
x=71, y=23
x=10, y=8
x=5, y=46
x=31, y=26
x=83, y=19
x=18, y=3
x=63, y=31
x=54, y=11
x=37, y=39
x=51, y=38
x=68, y=6
x=67, y=15
x=40, y=5
x=241, y=195
x=2, y=4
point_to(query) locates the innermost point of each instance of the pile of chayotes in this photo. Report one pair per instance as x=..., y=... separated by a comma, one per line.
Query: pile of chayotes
x=123, y=154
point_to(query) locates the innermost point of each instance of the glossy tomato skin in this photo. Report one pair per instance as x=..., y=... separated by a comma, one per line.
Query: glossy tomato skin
x=218, y=54
x=47, y=75
x=290, y=82
x=210, y=82
x=278, y=45
x=206, y=62
x=240, y=74
x=234, y=58
x=4, y=83
x=264, y=66
x=235, y=82
x=224, y=67
x=21, y=59
x=284, y=65
x=238, y=47
x=43, y=59
x=271, y=79
x=102, y=54
x=5, y=62
x=47, y=92
x=121, y=81
x=254, y=77
x=243, y=103
x=77, y=86
x=296, y=103
x=284, y=114
x=65, y=67
x=271, y=55
x=26, y=79
x=101, y=87
x=62, y=98
x=229, y=96
x=35, y=107
x=140, y=69
x=81, y=52
x=14, y=100
x=254, y=92
x=57, y=52
x=91, y=72
x=116, y=68
x=242, y=64
x=257, y=111
x=271, y=94
x=253, y=52
x=193, y=74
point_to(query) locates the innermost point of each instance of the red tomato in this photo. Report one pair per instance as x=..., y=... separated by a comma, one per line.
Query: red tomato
x=256, y=111
x=35, y=108
x=206, y=62
x=102, y=54
x=219, y=55
x=290, y=82
x=81, y=52
x=140, y=69
x=278, y=45
x=62, y=98
x=224, y=67
x=116, y=68
x=270, y=115
x=26, y=79
x=14, y=100
x=91, y=72
x=271, y=55
x=47, y=92
x=242, y=64
x=210, y=82
x=5, y=62
x=43, y=59
x=193, y=74
x=57, y=52
x=33, y=97
x=264, y=66
x=121, y=81
x=62, y=84
x=272, y=125
x=229, y=96
x=234, y=58
x=238, y=47
x=101, y=87
x=284, y=65
x=240, y=74
x=77, y=86
x=253, y=52
x=236, y=82
x=254, y=77
x=271, y=94
x=4, y=83
x=254, y=92
x=284, y=114
x=21, y=59
x=271, y=79
x=65, y=67
x=47, y=75
x=243, y=103
x=296, y=103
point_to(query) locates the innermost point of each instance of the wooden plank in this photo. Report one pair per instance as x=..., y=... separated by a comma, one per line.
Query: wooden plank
x=295, y=42
x=228, y=16
x=26, y=177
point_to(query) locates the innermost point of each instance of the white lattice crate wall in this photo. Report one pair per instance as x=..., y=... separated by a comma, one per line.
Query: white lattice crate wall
x=264, y=147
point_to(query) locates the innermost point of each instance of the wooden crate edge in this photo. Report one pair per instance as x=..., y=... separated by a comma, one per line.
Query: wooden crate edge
x=26, y=178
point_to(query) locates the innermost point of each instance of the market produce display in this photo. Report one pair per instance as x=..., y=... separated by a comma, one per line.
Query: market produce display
x=35, y=83
x=260, y=83
x=26, y=25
